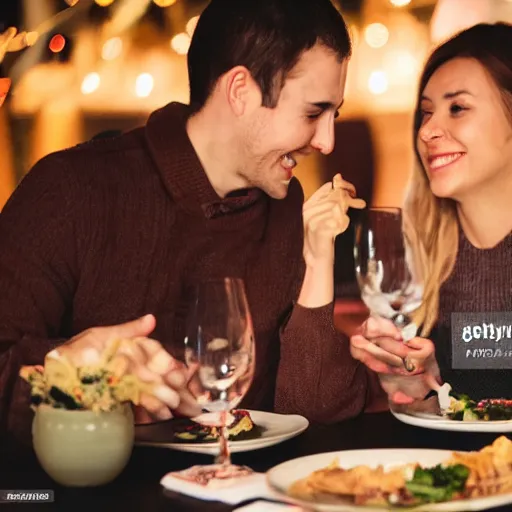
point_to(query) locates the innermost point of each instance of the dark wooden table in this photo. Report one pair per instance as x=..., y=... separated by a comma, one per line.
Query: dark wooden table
x=138, y=488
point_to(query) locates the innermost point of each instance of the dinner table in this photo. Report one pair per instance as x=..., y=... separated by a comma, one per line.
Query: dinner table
x=138, y=486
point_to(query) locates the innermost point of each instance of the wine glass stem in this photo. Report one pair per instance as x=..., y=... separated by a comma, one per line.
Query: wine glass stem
x=224, y=456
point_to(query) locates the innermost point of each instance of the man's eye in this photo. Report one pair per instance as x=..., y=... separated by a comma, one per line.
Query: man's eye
x=314, y=116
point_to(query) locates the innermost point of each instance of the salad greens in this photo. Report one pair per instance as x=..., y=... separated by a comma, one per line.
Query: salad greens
x=439, y=483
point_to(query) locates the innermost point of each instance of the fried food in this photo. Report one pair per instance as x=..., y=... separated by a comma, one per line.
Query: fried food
x=465, y=475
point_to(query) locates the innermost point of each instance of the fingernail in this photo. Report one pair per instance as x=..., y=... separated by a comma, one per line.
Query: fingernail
x=166, y=395
x=163, y=414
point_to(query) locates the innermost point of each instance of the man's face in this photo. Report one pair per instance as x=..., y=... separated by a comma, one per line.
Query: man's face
x=275, y=139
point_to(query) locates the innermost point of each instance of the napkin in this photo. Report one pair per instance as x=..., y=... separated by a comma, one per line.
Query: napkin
x=231, y=490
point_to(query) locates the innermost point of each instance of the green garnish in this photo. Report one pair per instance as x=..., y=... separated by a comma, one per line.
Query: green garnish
x=438, y=483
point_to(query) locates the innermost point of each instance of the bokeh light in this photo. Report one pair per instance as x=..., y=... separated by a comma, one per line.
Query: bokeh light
x=180, y=43
x=164, y=3
x=112, y=48
x=400, y=3
x=378, y=82
x=191, y=25
x=144, y=85
x=376, y=35
x=57, y=43
x=90, y=83
x=104, y=3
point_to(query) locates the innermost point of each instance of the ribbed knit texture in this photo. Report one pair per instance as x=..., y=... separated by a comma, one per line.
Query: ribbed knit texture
x=112, y=229
x=480, y=282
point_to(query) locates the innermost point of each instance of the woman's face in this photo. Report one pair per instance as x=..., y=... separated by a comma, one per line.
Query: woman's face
x=465, y=138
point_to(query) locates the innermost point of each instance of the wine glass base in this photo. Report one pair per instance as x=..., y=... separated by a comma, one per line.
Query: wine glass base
x=214, y=474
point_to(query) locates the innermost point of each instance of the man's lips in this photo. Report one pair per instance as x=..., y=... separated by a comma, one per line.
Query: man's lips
x=441, y=160
x=288, y=163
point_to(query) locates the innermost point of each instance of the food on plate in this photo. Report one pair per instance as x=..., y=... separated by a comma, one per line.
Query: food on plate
x=463, y=408
x=240, y=427
x=465, y=475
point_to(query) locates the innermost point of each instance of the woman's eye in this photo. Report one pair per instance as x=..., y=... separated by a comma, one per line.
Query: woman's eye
x=425, y=113
x=456, y=109
x=314, y=116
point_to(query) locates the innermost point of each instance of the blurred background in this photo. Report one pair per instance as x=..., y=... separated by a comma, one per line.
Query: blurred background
x=99, y=65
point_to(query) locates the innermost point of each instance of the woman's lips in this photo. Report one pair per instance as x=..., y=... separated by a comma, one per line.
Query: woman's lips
x=440, y=161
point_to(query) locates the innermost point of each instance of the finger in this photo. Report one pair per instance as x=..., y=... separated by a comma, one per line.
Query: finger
x=392, y=346
x=356, y=203
x=155, y=407
x=162, y=363
x=376, y=327
x=133, y=350
x=401, y=398
x=359, y=342
x=422, y=352
x=149, y=345
x=337, y=182
x=188, y=405
x=120, y=364
x=176, y=379
x=142, y=326
x=368, y=360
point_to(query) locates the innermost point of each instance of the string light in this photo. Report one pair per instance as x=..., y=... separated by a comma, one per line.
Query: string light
x=180, y=43
x=376, y=35
x=112, y=48
x=104, y=3
x=164, y=3
x=90, y=83
x=144, y=85
x=378, y=82
x=400, y=3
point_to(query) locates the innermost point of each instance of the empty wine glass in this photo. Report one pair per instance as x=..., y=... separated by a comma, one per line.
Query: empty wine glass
x=387, y=270
x=220, y=352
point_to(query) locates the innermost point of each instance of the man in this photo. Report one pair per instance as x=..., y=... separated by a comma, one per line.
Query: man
x=101, y=234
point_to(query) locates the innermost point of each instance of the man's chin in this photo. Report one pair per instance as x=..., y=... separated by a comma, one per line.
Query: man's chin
x=277, y=192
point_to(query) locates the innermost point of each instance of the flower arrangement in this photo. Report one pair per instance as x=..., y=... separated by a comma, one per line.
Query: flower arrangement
x=102, y=387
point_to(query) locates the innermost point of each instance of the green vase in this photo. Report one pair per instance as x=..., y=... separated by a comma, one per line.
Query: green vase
x=83, y=448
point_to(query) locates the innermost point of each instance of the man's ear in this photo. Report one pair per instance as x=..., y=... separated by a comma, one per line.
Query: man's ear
x=242, y=92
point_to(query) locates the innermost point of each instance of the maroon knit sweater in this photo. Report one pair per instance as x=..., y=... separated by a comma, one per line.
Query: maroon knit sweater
x=112, y=229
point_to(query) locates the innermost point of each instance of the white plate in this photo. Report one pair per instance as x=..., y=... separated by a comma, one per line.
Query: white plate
x=281, y=477
x=278, y=428
x=438, y=423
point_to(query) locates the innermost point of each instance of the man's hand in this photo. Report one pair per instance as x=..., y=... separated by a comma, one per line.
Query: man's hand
x=138, y=355
x=325, y=217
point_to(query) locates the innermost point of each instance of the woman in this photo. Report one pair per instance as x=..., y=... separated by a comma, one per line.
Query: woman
x=459, y=205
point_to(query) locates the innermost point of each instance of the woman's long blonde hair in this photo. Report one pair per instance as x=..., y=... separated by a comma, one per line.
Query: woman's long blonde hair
x=431, y=223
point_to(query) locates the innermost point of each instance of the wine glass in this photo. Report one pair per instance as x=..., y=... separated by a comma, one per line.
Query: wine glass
x=220, y=352
x=388, y=271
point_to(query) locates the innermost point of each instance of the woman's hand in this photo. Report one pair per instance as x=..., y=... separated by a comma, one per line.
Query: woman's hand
x=380, y=347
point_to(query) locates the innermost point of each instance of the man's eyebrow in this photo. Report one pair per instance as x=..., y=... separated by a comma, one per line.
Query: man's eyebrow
x=449, y=95
x=327, y=105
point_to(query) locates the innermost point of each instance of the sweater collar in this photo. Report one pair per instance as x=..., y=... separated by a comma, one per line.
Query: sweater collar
x=181, y=169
